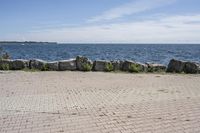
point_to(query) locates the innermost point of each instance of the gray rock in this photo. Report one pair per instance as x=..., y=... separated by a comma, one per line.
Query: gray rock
x=142, y=67
x=192, y=67
x=117, y=65
x=83, y=63
x=37, y=64
x=67, y=65
x=176, y=66
x=5, y=64
x=53, y=66
x=132, y=66
x=19, y=64
x=102, y=65
x=152, y=67
x=126, y=65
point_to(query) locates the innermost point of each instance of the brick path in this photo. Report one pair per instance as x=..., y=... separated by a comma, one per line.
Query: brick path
x=75, y=102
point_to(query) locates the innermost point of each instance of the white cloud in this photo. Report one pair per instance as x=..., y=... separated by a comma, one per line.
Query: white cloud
x=174, y=29
x=129, y=9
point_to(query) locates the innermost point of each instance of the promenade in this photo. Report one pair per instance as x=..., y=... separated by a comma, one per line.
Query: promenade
x=97, y=102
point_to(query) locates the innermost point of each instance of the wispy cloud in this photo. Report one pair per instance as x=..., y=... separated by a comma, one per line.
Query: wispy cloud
x=172, y=29
x=130, y=8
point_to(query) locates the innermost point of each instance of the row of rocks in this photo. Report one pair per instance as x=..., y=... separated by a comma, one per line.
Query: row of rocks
x=85, y=64
x=13, y=64
x=178, y=66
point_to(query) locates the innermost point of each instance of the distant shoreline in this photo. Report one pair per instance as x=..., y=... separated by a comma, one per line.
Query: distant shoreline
x=25, y=42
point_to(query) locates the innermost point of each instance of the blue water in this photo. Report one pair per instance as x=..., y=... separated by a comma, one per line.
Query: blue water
x=157, y=53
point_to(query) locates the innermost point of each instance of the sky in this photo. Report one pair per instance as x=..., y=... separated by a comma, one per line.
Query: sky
x=100, y=21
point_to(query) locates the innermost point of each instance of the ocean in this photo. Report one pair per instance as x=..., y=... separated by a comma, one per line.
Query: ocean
x=158, y=53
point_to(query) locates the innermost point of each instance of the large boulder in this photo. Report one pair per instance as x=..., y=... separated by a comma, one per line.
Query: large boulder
x=152, y=67
x=5, y=64
x=103, y=65
x=176, y=66
x=37, y=64
x=52, y=66
x=67, y=65
x=83, y=63
x=192, y=67
x=117, y=65
x=19, y=64
x=132, y=66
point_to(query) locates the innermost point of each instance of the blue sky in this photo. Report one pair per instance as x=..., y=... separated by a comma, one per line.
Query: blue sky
x=115, y=21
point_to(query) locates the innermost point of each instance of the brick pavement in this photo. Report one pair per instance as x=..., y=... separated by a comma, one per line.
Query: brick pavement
x=76, y=102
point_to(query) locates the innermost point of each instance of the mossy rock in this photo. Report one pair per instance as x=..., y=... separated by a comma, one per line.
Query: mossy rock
x=103, y=65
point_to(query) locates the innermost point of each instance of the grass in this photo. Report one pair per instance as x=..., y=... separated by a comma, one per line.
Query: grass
x=45, y=68
x=135, y=68
x=109, y=67
x=87, y=67
x=5, y=66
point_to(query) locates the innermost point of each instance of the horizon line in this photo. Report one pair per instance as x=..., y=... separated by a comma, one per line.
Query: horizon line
x=139, y=43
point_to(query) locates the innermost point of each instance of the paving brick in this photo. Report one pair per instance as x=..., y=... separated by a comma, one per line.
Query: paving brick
x=76, y=102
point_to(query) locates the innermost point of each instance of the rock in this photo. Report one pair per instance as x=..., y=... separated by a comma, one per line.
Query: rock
x=176, y=66
x=152, y=67
x=83, y=63
x=19, y=64
x=117, y=65
x=5, y=64
x=37, y=64
x=102, y=65
x=132, y=66
x=53, y=66
x=192, y=67
x=142, y=67
x=67, y=65
x=126, y=65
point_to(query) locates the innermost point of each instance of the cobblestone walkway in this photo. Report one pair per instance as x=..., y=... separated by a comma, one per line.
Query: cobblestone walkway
x=75, y=102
